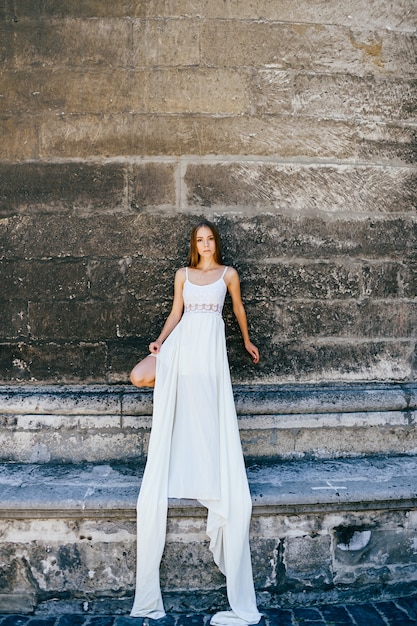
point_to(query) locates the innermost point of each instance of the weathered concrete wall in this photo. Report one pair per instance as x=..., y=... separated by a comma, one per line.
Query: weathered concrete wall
x=292, y=125
x=296, y=560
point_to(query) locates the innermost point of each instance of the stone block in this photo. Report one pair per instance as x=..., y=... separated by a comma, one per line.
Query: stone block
x=249, y=135
x=82, y=440
x=311, y=47
x=69, y=42
x=195, y=568
x=351, y=319
x=53, y=362
x=276, y=235
x=154, y=185
x=310, y=399
x=387, y=143
x=77, y=560
x=326, y=436
x=19, y=138
x=383, y=280
x=108, y=279
x=59, y=422
x=138, y=278
x=377, y=235
x=329, y=360
x=368, y=440
x=376, y=14
x=308, y=560
x=48, y=187
x=210, y=91
x=95, y=8
x=166, y=42
x=60, y=92
x=408, y=279
x=48, y=280
x=136, y=402
x=268, y=573
x=347, y=96
x=388, y=319
x=47, y=400
x=105, y=42
x=77, y=236
x=17, y=603
x=123, y=354
x=302, y=188
x=316, y=280
x=125, y=134
x=13, y=319
x=272, y=91
x=392, y=54
x=411, y=397
x=153, y=280
x=299, y=280
x=25, y=10
x=93, y=321
x=70, y=135
x=414, y=362
x=363, y=554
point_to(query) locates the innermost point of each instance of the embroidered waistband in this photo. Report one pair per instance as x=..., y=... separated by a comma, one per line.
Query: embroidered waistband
x=203, y=308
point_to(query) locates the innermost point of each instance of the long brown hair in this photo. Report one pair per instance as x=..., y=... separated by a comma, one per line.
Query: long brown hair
x=193, y=256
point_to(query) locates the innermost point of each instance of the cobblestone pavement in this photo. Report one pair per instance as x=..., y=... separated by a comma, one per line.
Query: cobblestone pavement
x=399, y=612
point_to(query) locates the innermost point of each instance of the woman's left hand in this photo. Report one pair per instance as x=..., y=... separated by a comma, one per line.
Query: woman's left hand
x=253, y=351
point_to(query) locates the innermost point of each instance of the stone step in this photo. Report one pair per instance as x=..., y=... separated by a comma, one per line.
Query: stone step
x=103, y=423
x=322, y=531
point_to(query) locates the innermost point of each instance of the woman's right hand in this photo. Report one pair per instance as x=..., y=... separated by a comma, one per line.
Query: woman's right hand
x=155, y=347
x=253, y=351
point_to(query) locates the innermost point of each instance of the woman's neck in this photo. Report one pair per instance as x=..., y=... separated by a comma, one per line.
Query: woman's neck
x=206, y=265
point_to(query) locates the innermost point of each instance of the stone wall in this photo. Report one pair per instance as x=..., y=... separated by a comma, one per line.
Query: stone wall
x=292, y=125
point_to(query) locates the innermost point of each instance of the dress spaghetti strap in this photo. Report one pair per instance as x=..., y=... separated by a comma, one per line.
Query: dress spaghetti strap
x=225, y=270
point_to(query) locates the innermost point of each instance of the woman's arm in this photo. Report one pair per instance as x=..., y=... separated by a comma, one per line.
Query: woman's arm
x=175, y=315
x=233, y=285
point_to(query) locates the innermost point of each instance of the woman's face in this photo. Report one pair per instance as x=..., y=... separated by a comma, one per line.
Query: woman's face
x=206, y=245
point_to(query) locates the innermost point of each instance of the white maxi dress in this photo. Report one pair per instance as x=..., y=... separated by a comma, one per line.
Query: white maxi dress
x=195, y=452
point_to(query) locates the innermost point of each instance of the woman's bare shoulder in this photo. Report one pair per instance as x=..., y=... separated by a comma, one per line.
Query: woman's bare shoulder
x=181, y=274
x=231, y=274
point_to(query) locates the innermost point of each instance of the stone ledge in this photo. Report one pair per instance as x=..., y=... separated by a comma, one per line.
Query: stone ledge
x=321, y=531
x=102, y=423
x=126, y=400
x=110, y=490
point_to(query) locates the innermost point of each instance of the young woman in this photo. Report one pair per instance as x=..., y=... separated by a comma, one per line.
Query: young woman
x=194, y=449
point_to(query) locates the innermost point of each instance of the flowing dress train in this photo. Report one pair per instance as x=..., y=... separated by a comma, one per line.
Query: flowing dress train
x=195, y=452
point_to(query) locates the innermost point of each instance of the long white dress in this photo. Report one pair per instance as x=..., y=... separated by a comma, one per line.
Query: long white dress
x=195, y=452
